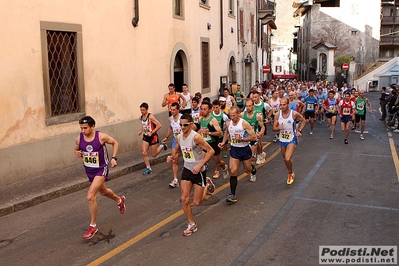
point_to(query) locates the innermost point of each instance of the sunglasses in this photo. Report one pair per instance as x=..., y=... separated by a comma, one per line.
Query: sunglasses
x=83, y=121
x=186, y=124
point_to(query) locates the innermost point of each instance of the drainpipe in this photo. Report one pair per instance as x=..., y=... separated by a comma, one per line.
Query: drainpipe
x=221, y=25
x=135, y=20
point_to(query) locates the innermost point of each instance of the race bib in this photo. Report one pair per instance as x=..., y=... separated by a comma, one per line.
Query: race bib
x=346, y=111
x=188, y=154
x=310, y=107
x=206, y=135
x=332, y=109
x=91, y=159
x=195, y=117
x=147, y=130
x=176, y=131
x=286, y=136
x=360, y=106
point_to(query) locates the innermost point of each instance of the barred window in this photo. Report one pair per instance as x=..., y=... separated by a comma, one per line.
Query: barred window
x=62, y=72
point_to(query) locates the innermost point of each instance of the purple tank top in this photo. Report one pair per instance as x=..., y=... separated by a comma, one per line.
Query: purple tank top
x=95, y=154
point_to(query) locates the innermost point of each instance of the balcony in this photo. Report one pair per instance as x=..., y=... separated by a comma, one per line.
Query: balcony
x=389, y=41
x=266, y=8
x=390, y=20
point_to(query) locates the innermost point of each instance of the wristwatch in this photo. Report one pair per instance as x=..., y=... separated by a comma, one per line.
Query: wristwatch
x=113, y=157
x=300, y=131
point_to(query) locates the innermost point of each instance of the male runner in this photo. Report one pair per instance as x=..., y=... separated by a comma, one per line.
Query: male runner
x=240, y=134
x=90, y=145
x=284, y=121
x=149, y=128
x=191, y=145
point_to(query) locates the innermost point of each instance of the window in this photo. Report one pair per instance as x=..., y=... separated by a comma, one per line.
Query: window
x=231, y=7
x=278, y=69
x=178, y=9
x=241, y=19
x=353, y=32
x=204, y=2
x=62, y=59
x=205, y=66
x=252, y=28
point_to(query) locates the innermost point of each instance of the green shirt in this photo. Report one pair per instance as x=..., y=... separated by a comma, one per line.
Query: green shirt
x=360, y=106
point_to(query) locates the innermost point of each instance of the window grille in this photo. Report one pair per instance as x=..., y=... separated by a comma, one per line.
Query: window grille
x=63, y=72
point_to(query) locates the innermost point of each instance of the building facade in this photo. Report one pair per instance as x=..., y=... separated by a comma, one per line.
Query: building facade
x=351, y=26
x=65, y=59
x=389, y=43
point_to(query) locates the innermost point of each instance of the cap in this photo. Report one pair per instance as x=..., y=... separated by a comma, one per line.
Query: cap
x=222, y=99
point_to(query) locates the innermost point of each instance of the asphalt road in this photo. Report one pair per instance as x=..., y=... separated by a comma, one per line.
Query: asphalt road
x=342, y=195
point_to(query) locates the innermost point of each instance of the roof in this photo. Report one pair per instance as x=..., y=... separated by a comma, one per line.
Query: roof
x=325, y=44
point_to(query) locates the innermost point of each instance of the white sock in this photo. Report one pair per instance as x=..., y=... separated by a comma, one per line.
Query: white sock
x=93, y=225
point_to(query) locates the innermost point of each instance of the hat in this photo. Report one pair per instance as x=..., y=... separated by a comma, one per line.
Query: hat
x=222, y=99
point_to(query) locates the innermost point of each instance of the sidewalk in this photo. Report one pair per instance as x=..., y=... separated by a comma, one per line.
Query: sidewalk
x=25, y=194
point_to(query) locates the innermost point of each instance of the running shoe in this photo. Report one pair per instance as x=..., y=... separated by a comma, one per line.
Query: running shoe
x=311, y=133
x=225, y=172
x=211, y=185
x=290, y=178
x=346, y=141
x=121, y=205
x=174, y=183
x=147, y=171
x=361, y=137
x=216, y=174
x=231, y=198
x=252, y=178
x=396, y=130
x=261, y=158
x=91, y=231
x=224, y=154
x=165, y=147
x=332, y=136
x=353, y=128
x=191, y=228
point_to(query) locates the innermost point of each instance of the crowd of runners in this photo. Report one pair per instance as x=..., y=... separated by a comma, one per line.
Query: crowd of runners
x=204, y=130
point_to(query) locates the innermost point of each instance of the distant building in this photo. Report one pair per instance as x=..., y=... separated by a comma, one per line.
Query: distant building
x=389, y=43
x=352, y=26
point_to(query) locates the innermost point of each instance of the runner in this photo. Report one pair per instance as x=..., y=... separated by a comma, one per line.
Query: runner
x=346, y=110
x=263, y=109
x=195, y=112
x=149, y=128
x=211, y=131
x=186, y=105
x=274, y=103
x=360, y=104
x=172, y=97
x=256, y=122
x=311, y=108
x=90, y=146
x=331, y=108
x=240, y=134
x=284, y=121
x=190, y=144
x=174, y=129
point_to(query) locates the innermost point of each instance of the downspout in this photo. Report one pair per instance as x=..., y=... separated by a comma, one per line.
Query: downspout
x=221, y=25
x=135, y=20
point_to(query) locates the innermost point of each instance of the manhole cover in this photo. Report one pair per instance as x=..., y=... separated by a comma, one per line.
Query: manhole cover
x=209, y=201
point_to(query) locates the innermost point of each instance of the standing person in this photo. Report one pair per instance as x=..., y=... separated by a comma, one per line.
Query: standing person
x=190, y=144
x=210, y=131
x=172, y=97
x=346, y=110
x=331, y=107
x=239, y=97
x=188, y=97
x=240, y=133
x=174, y=129
x=284, y=122
x=311, y=108
x=360, y=104
x=91, y=146
x=149, y=128
x=256, y=122
x=383, y=103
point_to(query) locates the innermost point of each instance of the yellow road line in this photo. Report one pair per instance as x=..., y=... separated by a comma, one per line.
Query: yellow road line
x=162, y=223
x=394, y=154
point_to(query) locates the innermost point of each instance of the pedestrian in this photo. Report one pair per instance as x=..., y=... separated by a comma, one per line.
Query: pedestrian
x=90, y=145
x=240, y=134
x=346, y=110
x=174, y=129
x=284, y=122
x=149, y=128
x=383, y=103
x=191, y=145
